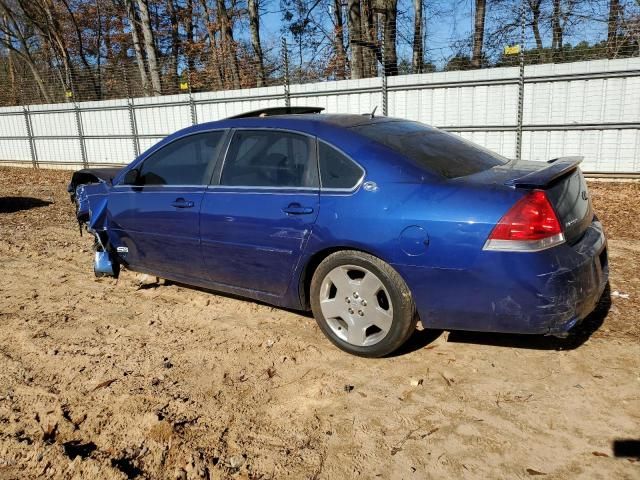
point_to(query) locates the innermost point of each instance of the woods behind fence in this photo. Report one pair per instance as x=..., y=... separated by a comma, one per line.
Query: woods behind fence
x=75, y=50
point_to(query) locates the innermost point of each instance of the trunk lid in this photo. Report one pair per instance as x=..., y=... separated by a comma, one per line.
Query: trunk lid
x=562, y=181
x=570, y=198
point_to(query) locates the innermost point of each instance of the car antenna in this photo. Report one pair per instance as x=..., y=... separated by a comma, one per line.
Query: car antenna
x=373, y=112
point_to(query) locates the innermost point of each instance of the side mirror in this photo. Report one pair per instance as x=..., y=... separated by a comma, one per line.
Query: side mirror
x=132, y=177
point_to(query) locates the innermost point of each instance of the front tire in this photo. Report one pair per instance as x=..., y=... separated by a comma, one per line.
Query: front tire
x=362, y=304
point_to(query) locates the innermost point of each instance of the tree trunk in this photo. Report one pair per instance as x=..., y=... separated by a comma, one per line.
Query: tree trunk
x=556, y=26
x=254, y=26
x=189, y=26
x=535, y=22
x=175, y=38
x=612, y=28
x=81, y=50
x=338, y=41
x=12, y=78
x=214, y=63
x=417, y=61
x=369, y=31
x=390, y=25
x=355, y=39
x=149, y=47
x=478, y=33
x=133, y=24
x=228, y=44
x=99, y=48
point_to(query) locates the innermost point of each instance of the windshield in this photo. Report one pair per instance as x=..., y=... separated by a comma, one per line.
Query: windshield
x=444, y=153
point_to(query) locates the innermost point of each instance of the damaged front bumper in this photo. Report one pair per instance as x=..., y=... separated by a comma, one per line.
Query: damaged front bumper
x=91, y=212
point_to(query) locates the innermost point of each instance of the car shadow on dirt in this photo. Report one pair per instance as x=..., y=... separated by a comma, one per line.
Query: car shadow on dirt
x=422, y=338
x=575, y=338
x=17, y=204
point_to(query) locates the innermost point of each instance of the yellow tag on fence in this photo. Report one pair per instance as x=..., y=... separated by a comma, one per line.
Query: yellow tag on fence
x=68, y=94
x=184, y=86
x=513, y=50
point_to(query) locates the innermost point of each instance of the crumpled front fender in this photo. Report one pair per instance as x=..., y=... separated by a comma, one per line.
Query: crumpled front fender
x=91, y=205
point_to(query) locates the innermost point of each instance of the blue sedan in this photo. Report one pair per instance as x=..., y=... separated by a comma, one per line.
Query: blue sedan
x=373, y=223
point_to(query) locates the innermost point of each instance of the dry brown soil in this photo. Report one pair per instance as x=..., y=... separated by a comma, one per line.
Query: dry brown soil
x=106, y=379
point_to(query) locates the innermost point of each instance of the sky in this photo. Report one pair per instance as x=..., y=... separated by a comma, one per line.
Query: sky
x=449, y=23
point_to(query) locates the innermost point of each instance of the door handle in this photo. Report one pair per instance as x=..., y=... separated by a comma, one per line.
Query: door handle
x=182, y=203
x=297, y=209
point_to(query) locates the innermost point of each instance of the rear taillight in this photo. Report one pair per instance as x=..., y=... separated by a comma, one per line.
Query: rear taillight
x=530, y=225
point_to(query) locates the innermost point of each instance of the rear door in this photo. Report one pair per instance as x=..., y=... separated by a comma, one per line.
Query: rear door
x=256, y=219
x=157, y=219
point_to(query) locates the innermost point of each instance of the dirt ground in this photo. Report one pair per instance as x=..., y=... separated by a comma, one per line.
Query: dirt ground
x=109, y=379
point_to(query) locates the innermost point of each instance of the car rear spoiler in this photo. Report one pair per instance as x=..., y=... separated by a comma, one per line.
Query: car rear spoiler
x=556, y=169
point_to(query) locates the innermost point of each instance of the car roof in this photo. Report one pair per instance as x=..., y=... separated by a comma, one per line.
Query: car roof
x=303, y=122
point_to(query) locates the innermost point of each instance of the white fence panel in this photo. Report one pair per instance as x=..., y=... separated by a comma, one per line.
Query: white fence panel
x=584, y=108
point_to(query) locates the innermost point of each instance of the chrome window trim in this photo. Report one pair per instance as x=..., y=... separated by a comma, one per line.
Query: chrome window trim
x=339, y=190
x=244, y=187
x=232, y=134
x=120, y=186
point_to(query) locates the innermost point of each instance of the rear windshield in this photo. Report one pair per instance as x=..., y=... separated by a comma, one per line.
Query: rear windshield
x=441, y=152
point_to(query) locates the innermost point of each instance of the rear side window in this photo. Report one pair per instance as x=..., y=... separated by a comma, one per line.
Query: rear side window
x=261, y=158
x=186, y=161
x=441, y=152
x=336, y=169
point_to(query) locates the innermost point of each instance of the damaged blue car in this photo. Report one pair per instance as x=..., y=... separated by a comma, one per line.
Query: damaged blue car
x=373, y=223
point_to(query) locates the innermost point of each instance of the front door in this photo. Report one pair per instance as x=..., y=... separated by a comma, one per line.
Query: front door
x=155, y=220
x=256, y=220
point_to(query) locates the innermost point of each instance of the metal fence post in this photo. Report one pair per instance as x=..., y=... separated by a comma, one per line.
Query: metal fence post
x=132, y=116
x=285, y=64
x=384, y=74
x=520, y=84
x=32, y=143
x=192, y=103
x=83, y=147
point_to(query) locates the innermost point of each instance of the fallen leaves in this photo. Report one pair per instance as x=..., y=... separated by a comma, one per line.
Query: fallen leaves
x=533, y=472
x=450, y=381
x=104, y=384
x=512, y=398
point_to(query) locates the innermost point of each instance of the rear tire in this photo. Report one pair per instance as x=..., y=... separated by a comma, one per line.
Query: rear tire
x=362, y=304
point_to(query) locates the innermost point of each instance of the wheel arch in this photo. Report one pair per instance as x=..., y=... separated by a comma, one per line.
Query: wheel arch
x=304, y=282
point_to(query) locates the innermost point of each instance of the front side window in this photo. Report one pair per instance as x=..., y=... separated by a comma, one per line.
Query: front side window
x=336, y=169
x=262, y=158
x=186, y=161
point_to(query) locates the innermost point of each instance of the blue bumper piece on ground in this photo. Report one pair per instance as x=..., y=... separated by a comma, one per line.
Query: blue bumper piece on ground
x=103, y=266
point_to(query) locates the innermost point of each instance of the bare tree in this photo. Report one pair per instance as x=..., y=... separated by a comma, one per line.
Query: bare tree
x=254, y=26
x=390, y=31
x=338, y=41
x=417, y=61
x=228, y=43
x=369, y=34
x=556, y=27
x=478, y=33
x=215, y=65
x=132, y=16
x=355, y=39
x=535, y=5
x=149, y=46
x=612, y=28
x=175, y=37
x=15, y=39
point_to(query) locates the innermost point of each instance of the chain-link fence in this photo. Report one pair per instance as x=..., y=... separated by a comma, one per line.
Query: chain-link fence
x=531, y=79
